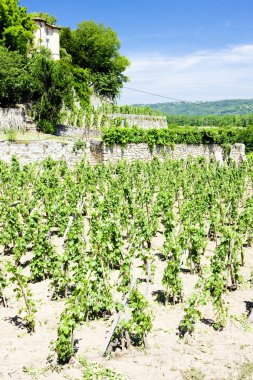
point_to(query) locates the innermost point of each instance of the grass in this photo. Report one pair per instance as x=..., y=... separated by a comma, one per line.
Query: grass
x=193, y=374
x=246, y=371
x=35, y=373
x=96, y=372
x=13, y=136
x=243, y=320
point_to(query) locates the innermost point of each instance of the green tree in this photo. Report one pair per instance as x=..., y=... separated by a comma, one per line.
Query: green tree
x=13, y=77
x=82, y=89
x=16, y=26
x=45, y=16
x=96, y=48
x=51, y=86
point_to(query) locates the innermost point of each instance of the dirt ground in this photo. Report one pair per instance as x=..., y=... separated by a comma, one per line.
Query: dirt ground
x=207, y=354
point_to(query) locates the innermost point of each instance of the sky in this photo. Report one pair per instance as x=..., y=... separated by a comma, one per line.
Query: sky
x=192, y=50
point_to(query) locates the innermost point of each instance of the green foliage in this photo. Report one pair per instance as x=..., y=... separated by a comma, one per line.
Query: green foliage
x=48, y=84
x=141, y=322
x=13, y=77
x=51, y=87
x=79, y=145
x=81, y=85
x=3, y=284
x=96, y=48
x=90, y=61
x=196, y=246
x=171, y=276
x=16, y=26
x=134, y=110
x=22, y=291
x=11, y=135
x=248, y=138
x=109, y=84
x=226, y=121
x=45, y=126
x=123, y=136
x=34, y=372
x=140, y=318
x=105, y=219
x=191, y=316
x=193, y=374
x=246, y=371
x=64, y=344
x=44, y=256
x=96, y=372
x=67, y=41
x=243, y=319
x=45, y=16
x=231, y=107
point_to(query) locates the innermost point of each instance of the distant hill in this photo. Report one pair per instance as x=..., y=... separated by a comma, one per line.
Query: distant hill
x=221, y=107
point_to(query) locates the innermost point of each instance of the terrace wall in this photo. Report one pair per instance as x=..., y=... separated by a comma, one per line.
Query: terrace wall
x=12, y=118
x=142, y=121
x=96, y=152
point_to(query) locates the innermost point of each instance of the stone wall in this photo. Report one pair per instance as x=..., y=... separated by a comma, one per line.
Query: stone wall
x=29, y=152
x=142, y=121
x=16, y=118
x=96, y=152
x=12, y=118
x=178, y=151
x=80, y=133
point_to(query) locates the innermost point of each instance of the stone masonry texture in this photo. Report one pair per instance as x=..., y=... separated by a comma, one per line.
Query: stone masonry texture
x=96, y=152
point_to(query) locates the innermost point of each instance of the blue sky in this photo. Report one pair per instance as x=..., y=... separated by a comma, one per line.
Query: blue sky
x=186, y=49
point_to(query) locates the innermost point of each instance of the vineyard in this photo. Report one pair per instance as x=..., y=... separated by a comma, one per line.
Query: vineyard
x=99, y=260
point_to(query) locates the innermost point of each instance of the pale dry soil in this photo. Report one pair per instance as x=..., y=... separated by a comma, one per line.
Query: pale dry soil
x=207, y=354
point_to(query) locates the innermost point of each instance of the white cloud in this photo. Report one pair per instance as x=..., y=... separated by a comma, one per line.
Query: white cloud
x=203, y=75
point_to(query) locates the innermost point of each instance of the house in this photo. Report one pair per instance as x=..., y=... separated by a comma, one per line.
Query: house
x=47, y=35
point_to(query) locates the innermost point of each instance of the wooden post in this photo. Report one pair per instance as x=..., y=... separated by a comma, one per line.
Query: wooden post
x=117, y=319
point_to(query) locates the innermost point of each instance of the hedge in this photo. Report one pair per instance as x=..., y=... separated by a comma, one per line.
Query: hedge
x=164, y=136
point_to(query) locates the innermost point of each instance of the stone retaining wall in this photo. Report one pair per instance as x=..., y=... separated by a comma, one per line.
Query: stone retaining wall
x=13, y=118
x=96, y=152
x=142, y=121
x=29, y=152
x=178, y=151
x=64, y=131
x=16, y=118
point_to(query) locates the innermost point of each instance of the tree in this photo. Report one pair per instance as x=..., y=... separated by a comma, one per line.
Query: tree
x=82, y=89
x=51, y=86
x=96, y=48
x=13, y=77
x=45, y=16
x=16, y=26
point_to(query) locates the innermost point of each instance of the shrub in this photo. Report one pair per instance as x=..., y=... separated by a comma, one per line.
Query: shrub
x=46, y=126
x=164, y=136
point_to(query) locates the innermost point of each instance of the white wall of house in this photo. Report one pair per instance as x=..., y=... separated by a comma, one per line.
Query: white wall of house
x=48, y=36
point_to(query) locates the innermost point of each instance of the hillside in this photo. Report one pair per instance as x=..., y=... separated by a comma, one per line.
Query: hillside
x=222, y=107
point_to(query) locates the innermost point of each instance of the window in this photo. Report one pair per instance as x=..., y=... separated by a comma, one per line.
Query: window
x=47, y=31
x=47, y=42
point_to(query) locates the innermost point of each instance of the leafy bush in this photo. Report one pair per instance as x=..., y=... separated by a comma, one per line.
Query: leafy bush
x=11, y=135
x=46, y=126
x=123, y=136
x=79, y=145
